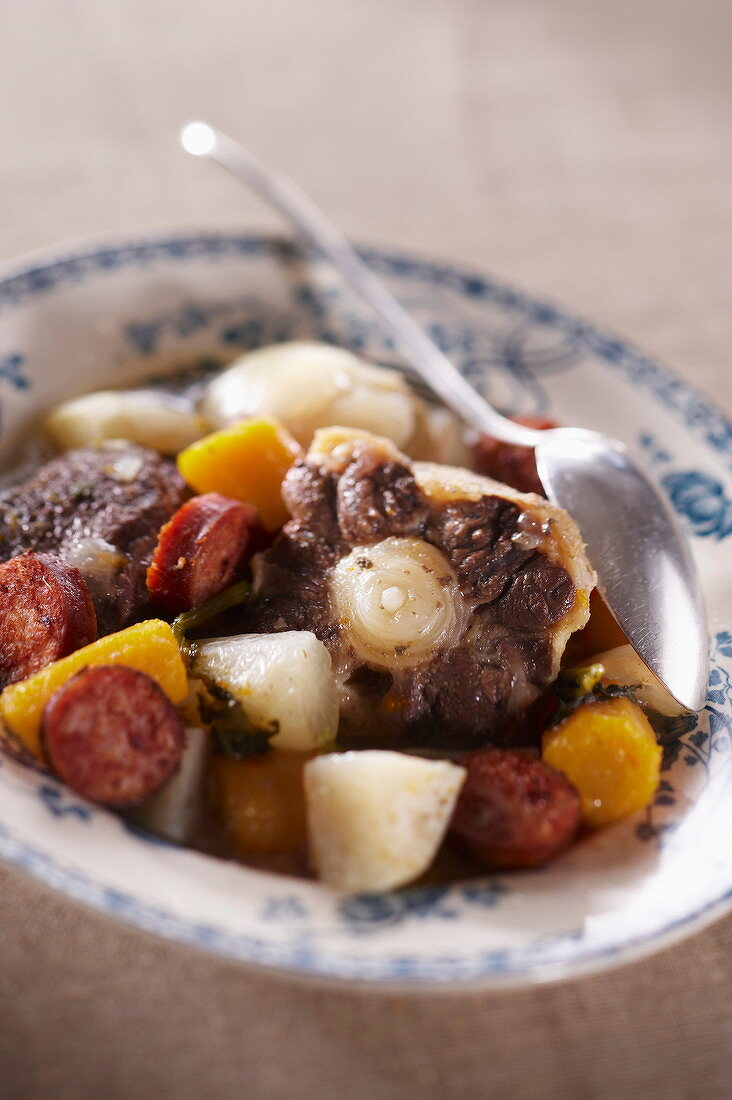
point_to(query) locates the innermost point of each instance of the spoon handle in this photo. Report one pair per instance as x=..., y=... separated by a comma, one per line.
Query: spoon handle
x=411, y=340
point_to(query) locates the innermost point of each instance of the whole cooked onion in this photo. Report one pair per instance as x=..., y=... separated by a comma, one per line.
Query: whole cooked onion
x=398, y=602
x=152, y=418
x=307, y=386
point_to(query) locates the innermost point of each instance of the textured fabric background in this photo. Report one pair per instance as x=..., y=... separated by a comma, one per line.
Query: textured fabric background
x=580, y=149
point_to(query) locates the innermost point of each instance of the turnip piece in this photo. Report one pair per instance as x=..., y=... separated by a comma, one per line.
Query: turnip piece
x=174, y=811
x=308, y=385
x=377, y=818
x=282, y=681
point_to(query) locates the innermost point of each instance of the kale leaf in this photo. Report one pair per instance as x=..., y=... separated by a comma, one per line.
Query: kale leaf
x=232, y=732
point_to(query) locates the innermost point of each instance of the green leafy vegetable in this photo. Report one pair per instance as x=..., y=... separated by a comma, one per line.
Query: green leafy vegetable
x=578, y=687
x=198, y=616
x=232, y=732
x=668, y=728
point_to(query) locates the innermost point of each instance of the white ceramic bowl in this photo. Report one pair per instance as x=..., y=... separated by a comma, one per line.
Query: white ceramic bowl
x=98, y=315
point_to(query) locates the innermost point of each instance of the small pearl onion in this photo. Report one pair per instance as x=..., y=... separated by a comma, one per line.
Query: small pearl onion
x=398, y=602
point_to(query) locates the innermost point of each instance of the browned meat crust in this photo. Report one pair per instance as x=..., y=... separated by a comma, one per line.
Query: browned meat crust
x=119, y=494
x=378, y=498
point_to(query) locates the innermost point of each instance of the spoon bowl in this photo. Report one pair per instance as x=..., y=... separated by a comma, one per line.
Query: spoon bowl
x=645, y=570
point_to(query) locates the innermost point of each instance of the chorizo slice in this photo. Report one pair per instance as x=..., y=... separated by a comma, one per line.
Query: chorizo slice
x=511, y=463
x=513, y=810
x=199, y=550
x=45, y=614
x=112, y=735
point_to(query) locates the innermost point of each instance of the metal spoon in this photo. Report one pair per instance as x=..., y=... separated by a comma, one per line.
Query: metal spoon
x=644, y=567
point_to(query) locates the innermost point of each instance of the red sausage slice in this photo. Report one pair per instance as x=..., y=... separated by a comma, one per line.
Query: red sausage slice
x=509, y=462
x=45, y=614
x=112, y=735
x=199, y=550
x=513, y=810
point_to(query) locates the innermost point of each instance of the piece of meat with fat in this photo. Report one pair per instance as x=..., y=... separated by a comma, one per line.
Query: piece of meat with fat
x=499, y=577
x=480, y=539
x=292, y=579
x=310, y=495
x=378, y=499
x=100, y=509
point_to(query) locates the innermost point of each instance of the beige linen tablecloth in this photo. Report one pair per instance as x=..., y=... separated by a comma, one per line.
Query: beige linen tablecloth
x=577, y=148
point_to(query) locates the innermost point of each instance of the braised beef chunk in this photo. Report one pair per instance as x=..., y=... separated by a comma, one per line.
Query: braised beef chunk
x=473, y=688
x=459, y=701
x=292, y=578
x=463, y=698
x=310, y=495
x=377, y=499
x=536, y=657
x=537, y=596
x=478, y=539
x=109, y=500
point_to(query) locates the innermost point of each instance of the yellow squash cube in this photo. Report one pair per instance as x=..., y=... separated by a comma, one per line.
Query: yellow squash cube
x=148, y=647
x=247, y=462
x=609, y=751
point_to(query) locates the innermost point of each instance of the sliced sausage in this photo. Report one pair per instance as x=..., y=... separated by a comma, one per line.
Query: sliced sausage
x=510, y=463
x=45, y=613
x=513, y=810
x=199, y=550
x=112, y=735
